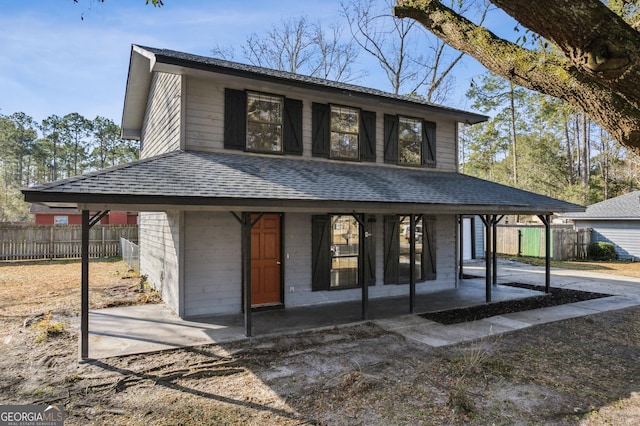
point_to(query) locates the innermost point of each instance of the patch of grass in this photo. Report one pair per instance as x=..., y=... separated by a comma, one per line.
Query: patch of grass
x=47, y=328
x=147, y=293
x=73, y=378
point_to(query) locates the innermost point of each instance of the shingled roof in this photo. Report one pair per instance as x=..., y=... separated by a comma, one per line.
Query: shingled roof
x=144, y=60
x=624, y=207
x=189, y=178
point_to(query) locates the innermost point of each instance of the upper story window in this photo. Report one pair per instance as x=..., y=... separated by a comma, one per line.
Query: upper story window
x=343, y=133
x=264, y=122
x=409, y=141
x=345, y=126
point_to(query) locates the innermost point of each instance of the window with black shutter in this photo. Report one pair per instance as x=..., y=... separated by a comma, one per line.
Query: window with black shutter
x=343, y=133
x=235, y=119
x=337, y=246
x=429, y=136
x=320, y=252
x=397, y=240
x=262, y=122
x=409, y=141
x=367, y=136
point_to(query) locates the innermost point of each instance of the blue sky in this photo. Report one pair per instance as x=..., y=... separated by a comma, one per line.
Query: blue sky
x=57, y=56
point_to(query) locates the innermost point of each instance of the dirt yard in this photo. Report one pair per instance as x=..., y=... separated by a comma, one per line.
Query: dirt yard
x=577, y=372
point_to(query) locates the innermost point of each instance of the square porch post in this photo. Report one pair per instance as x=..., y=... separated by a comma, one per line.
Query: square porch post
x=412, y=262
x=546, y=219
x=488, y=224
x=84, y=288
x=246, y=270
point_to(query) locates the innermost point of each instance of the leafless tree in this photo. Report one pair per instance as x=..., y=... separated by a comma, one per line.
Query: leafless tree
x=413, y=61
x=299, y=46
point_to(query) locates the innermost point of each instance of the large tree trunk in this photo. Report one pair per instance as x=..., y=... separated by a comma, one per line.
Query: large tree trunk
x=569, y=156
x=599, y=74
x=514, y=136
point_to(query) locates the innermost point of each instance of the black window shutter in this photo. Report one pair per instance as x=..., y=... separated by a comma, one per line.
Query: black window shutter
x=320, y=128
x=429, y=138
x=390, y=138
x=429, y=249
x=391, y=249
x=367, y=136
x=235, y=119
x=320, y=255
x=370, y=248
x=292, y=129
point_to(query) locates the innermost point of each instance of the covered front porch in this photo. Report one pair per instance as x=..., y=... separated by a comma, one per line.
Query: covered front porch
x=150, y=328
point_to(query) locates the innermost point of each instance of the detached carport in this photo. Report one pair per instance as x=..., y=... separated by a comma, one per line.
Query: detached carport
x=243, y=185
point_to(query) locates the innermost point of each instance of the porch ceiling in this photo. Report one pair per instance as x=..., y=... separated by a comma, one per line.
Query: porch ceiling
x=188, y=180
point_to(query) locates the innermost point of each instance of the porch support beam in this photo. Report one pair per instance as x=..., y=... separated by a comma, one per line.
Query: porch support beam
x=87, y=224
x=246, y=224
x=361, y=264
x=412, y=262
x=546, y=219
x=461, y=240
x=97, y=217
x=84, y=288
x=246, y=271
x=496, y=220
x=488, y=228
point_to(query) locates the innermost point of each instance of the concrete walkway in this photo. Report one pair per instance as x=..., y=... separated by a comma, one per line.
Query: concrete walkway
x=150, y=328
x=625, y=293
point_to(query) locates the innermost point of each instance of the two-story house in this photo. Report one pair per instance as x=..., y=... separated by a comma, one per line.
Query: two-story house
x=262, y=188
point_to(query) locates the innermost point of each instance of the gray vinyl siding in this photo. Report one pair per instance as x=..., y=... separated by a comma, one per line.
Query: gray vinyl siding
x=161, y=126
x=298, y=264
x=213, y=270
x=623, y=234
x=213, y=274
x=204, y=121
x=159, y=236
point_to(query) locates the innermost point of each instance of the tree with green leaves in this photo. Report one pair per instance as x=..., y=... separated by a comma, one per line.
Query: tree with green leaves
x=75, y=131
x=492, y=93
x=32, y=153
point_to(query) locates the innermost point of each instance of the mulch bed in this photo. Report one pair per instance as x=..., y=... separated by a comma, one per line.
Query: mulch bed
x=557, y=296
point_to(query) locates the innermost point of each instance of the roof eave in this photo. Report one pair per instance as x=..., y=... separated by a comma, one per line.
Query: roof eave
x=151, y=202
x=174, y=65
x=141, y=65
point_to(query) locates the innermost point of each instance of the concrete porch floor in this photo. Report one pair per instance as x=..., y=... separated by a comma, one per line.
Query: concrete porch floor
x=150, y=328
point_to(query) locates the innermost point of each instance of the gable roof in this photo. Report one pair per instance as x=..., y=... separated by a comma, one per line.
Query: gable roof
x=623, y=207
x=227, y=180
x=145, y=60
x=42, y=209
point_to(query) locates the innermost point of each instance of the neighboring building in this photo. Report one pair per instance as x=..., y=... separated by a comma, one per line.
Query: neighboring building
x=45, y=215
x=302, y=187
x=472, y=237
x=616, y=221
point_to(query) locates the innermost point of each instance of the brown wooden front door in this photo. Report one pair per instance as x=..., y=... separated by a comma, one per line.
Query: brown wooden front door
x=266, y=277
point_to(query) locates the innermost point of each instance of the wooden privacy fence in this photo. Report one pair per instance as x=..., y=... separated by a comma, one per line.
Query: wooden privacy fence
x=23, y=242
x=566, y=242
